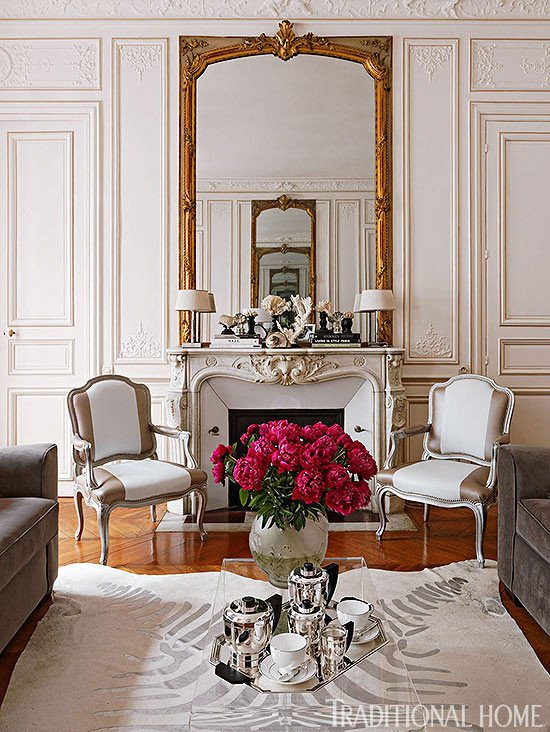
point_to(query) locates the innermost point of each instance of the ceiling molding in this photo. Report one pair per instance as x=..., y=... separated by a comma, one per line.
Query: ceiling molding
x=293, y=9
x=278, y=185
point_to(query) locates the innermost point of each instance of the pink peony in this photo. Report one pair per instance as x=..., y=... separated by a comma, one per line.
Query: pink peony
x=363, y=488
x=249, y=473
x=287, y=456
x=218, y=462
x=335, y=431
x=309, y=486
x=279, y=430
x=319, y=453
x=361, y=462
x=312, y=432
x=337, y=476
x=344, y=441
x=344, y=500
x=251, y=431
x=261, y=450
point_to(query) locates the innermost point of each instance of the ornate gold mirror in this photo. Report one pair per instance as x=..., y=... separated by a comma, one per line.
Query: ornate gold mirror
x=283, y=249
x=315, y=129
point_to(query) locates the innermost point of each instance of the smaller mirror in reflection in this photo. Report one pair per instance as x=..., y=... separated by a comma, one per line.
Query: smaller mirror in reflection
x=283, y=249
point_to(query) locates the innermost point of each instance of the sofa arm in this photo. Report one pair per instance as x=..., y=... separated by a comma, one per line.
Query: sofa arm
x=28, y=470
x=522, y=472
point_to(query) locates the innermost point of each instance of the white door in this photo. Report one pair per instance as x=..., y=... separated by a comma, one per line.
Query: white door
x=46, y=195
x=516, y=338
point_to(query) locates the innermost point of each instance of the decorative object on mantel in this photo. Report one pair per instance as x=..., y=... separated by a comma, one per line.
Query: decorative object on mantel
x=250, y=316
x=291, y=475
x=374, y=301
x=335, y=329
x=195, y=302
x=286, y=337
x=227, y=322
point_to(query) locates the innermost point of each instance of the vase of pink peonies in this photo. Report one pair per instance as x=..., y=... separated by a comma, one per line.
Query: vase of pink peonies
x=290, y=476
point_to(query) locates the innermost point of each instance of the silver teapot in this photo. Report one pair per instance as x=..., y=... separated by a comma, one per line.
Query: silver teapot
x=248, y=624
x=312, y=584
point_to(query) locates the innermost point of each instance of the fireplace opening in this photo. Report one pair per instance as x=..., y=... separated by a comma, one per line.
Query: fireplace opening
x=241, y=419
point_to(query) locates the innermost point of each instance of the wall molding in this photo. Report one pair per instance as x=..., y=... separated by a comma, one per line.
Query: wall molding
x=509, y=64
x=449, y=10
x=50, y=64
x=280, y=185
x=424, y=60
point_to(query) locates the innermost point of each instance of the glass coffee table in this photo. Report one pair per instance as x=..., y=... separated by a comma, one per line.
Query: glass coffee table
x=375, y=691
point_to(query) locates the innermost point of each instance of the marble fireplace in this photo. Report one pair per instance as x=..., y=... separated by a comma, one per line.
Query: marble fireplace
x=208, y=385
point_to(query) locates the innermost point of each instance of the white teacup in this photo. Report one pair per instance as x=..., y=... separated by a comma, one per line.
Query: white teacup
x=288, y=651
x=358, y=611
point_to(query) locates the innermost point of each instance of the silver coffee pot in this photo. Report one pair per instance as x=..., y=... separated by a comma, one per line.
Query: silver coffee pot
x=307, y=620
x=312, y=584
x=248, y=625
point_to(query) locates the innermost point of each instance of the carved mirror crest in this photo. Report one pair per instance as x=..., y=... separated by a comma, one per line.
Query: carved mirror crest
x=373, y=54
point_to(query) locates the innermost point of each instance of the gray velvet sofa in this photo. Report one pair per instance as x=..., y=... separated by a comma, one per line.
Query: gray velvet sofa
x=29, y=515
x=524, y=527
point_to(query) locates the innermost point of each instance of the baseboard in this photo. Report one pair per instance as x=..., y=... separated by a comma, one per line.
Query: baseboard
x=65, y=489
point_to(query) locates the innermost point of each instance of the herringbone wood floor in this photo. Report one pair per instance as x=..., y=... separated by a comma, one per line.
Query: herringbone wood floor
x=134, y=547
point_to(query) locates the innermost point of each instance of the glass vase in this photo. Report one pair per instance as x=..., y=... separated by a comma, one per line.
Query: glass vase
x=278, y=551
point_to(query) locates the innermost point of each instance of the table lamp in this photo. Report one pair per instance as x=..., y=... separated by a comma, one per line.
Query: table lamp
x=373, y=301
x=195, y=302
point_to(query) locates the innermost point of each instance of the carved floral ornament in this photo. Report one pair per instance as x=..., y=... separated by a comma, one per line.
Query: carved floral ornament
x=285, y=370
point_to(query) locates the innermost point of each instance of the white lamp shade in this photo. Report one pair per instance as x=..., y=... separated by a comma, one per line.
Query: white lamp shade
x=212, y=303
x=357, y=303
x=372, y=300
x=198, y=301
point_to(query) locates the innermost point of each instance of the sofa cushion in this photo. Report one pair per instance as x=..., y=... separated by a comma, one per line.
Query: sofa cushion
x=26, y=526
x=533, y=524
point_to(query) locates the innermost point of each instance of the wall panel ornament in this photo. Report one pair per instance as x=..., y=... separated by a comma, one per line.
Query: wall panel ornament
x=49, y=64
x=140, y=345
x=510, y=64
x=358, y=9
x=141, y=57
x=431, y=345
x=431, y=58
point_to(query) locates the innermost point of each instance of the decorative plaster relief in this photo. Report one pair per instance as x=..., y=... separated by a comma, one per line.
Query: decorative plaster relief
x=141, y=57
x=140, y=345
x=431, y=345
x=285, y=370
x=510, y=65
x=360, y=9
x=276, y=185
x=431, y=58
x=39, y=63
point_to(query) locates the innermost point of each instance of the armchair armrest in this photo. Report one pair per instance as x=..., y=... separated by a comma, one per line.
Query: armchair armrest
x=403, y=434
x=188, y=460
x=502, y=440
x=29, y=471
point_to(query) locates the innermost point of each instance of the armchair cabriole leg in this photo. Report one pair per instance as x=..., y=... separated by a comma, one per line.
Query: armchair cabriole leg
x=381, y=501
x=103, y=526
x=201, y=506
x=480, y=513
x=426, y=512
x=79, y=515
x=153, y=510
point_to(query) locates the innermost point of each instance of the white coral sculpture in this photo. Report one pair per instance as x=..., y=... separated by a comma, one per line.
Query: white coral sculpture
x=275, y=304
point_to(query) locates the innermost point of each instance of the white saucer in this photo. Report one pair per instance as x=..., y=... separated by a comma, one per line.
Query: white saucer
x=271, y=672
x=367, y=634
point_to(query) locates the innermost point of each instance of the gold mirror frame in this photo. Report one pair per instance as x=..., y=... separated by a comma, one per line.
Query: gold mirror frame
x=283, y=203
x=372, y=52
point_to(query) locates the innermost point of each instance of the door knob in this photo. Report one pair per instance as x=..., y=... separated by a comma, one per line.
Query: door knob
x=11, y=332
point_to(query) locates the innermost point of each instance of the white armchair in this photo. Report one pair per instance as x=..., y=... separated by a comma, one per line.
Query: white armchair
x=469, y=417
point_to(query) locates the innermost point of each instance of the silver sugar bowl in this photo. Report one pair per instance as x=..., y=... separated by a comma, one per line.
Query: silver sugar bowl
x=307, y=620
x=312, y=584
x=248, y=624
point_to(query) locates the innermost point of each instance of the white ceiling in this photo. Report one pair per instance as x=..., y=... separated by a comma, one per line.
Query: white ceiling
x=310, y=117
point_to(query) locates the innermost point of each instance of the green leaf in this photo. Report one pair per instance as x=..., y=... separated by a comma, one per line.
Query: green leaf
x=243, y=496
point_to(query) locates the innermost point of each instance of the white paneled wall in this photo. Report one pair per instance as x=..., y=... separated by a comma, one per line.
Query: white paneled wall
x=89, y=199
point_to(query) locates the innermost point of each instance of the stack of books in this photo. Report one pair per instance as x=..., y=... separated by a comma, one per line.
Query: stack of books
x=235, y=341
x=336, y=340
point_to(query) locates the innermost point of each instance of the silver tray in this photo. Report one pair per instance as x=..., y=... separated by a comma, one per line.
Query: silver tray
x=356, y=653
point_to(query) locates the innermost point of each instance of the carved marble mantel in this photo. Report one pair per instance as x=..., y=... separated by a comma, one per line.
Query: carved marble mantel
x=192, y=368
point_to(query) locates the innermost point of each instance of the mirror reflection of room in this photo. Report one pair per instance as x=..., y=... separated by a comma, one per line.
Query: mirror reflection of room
x=291, y=136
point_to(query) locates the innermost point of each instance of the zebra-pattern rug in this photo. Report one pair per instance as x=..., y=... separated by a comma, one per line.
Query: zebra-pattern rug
x=118, y=651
